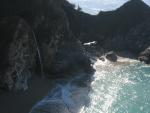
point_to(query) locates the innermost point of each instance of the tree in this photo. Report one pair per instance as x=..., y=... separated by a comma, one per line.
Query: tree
x=79, y=8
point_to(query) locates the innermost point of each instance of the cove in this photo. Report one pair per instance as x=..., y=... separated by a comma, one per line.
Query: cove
x=121, y=87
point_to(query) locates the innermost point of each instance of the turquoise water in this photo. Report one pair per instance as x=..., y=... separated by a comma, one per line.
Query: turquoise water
x=120, y=88
x=116, y=88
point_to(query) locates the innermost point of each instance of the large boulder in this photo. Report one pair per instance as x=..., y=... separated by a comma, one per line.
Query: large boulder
x=111, y=56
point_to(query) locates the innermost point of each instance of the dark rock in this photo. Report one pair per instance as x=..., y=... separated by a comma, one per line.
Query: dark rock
x=146, y=52
x=144, y=59
x=111, y=56
x=145, y=56
x=102, y=58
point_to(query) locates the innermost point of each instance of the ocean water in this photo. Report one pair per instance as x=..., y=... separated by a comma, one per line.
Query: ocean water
x=122, y=87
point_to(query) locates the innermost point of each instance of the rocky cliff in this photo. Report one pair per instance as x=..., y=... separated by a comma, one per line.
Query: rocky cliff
x=36, y=38
x=46, y=36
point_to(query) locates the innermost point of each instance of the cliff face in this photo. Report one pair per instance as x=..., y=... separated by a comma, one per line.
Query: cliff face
x=17, y=53
x=35, y=37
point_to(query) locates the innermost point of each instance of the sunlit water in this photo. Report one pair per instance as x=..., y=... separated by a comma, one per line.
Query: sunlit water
x=116, y=88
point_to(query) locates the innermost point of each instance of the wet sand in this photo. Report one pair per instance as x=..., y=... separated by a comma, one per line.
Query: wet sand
x=22, y=102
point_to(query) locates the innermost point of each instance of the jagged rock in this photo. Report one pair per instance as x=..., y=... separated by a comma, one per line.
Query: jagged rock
x=145, y=56
x=18, y=52
x=111, y=56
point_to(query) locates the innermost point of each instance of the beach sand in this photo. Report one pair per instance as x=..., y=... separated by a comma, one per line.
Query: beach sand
x=22, y=102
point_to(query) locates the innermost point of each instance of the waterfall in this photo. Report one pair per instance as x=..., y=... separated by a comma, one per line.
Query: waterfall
x=39, y=53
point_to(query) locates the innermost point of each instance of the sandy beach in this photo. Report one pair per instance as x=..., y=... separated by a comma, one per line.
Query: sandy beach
x=22, y=102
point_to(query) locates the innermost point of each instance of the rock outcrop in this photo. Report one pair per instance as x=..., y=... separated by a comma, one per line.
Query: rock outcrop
x=145, y=56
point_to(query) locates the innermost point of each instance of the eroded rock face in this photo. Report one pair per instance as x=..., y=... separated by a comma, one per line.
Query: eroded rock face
x=145, y=56
x=17, y=53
